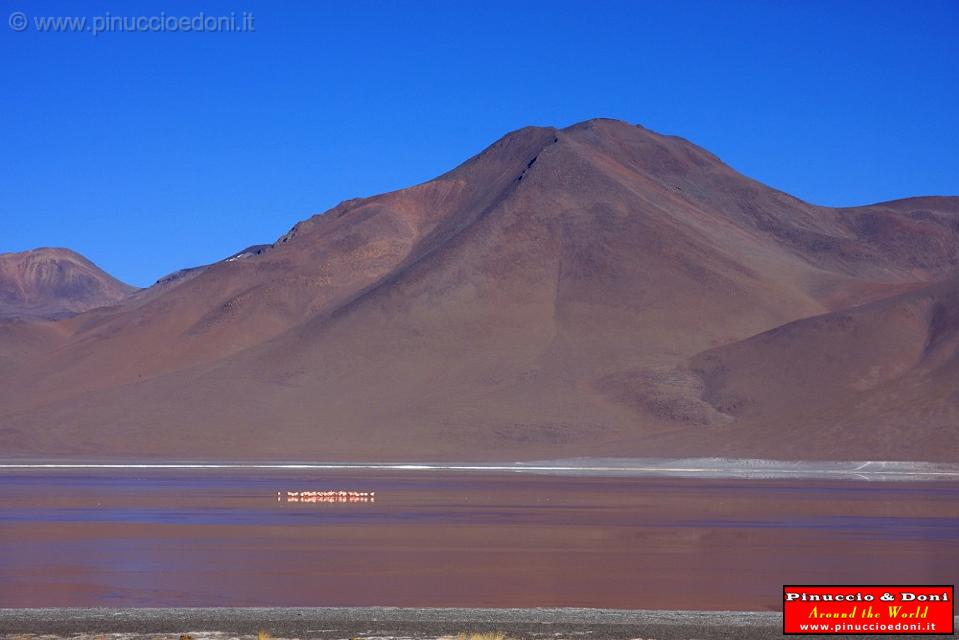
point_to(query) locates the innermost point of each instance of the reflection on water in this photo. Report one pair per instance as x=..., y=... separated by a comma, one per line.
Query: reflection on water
x=182, y=538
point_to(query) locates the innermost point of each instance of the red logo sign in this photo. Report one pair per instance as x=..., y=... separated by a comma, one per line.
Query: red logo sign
x=868, y=609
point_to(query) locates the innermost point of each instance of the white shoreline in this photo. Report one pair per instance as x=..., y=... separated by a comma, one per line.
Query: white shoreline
x=717, y=468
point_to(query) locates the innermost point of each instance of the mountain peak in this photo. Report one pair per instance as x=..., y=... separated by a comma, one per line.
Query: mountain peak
x=601, y=122
x=53, y=282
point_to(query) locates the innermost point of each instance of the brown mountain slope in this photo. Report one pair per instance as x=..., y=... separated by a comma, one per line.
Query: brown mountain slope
x=45, y=284
x=883, y=375
x=542, y=299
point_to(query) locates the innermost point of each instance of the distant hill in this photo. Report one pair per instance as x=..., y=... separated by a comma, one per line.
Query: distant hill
x=595, y=290
x=54, y=283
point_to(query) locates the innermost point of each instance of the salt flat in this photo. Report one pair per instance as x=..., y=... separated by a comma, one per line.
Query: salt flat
x=881, y=470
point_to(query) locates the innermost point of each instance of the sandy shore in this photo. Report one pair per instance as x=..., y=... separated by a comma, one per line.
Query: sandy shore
x=375, y=622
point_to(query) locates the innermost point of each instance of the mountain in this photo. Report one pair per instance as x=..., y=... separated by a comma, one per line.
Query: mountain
x=49, y=284
x=884, y=372
x=595, y=290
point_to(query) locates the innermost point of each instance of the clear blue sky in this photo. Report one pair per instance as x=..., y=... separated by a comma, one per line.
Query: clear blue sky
x=149, y=152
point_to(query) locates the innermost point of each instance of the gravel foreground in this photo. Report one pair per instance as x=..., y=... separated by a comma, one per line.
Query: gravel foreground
x=387, y=623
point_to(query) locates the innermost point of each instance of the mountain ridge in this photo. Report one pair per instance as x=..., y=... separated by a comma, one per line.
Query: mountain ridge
x=549, y=296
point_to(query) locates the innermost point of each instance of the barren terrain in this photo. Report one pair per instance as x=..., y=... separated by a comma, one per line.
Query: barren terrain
x=599, y=290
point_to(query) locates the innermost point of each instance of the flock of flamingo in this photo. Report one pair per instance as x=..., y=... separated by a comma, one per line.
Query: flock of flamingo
x=328, y=497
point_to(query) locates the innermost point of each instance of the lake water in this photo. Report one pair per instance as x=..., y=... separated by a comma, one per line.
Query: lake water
x=215, y=538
